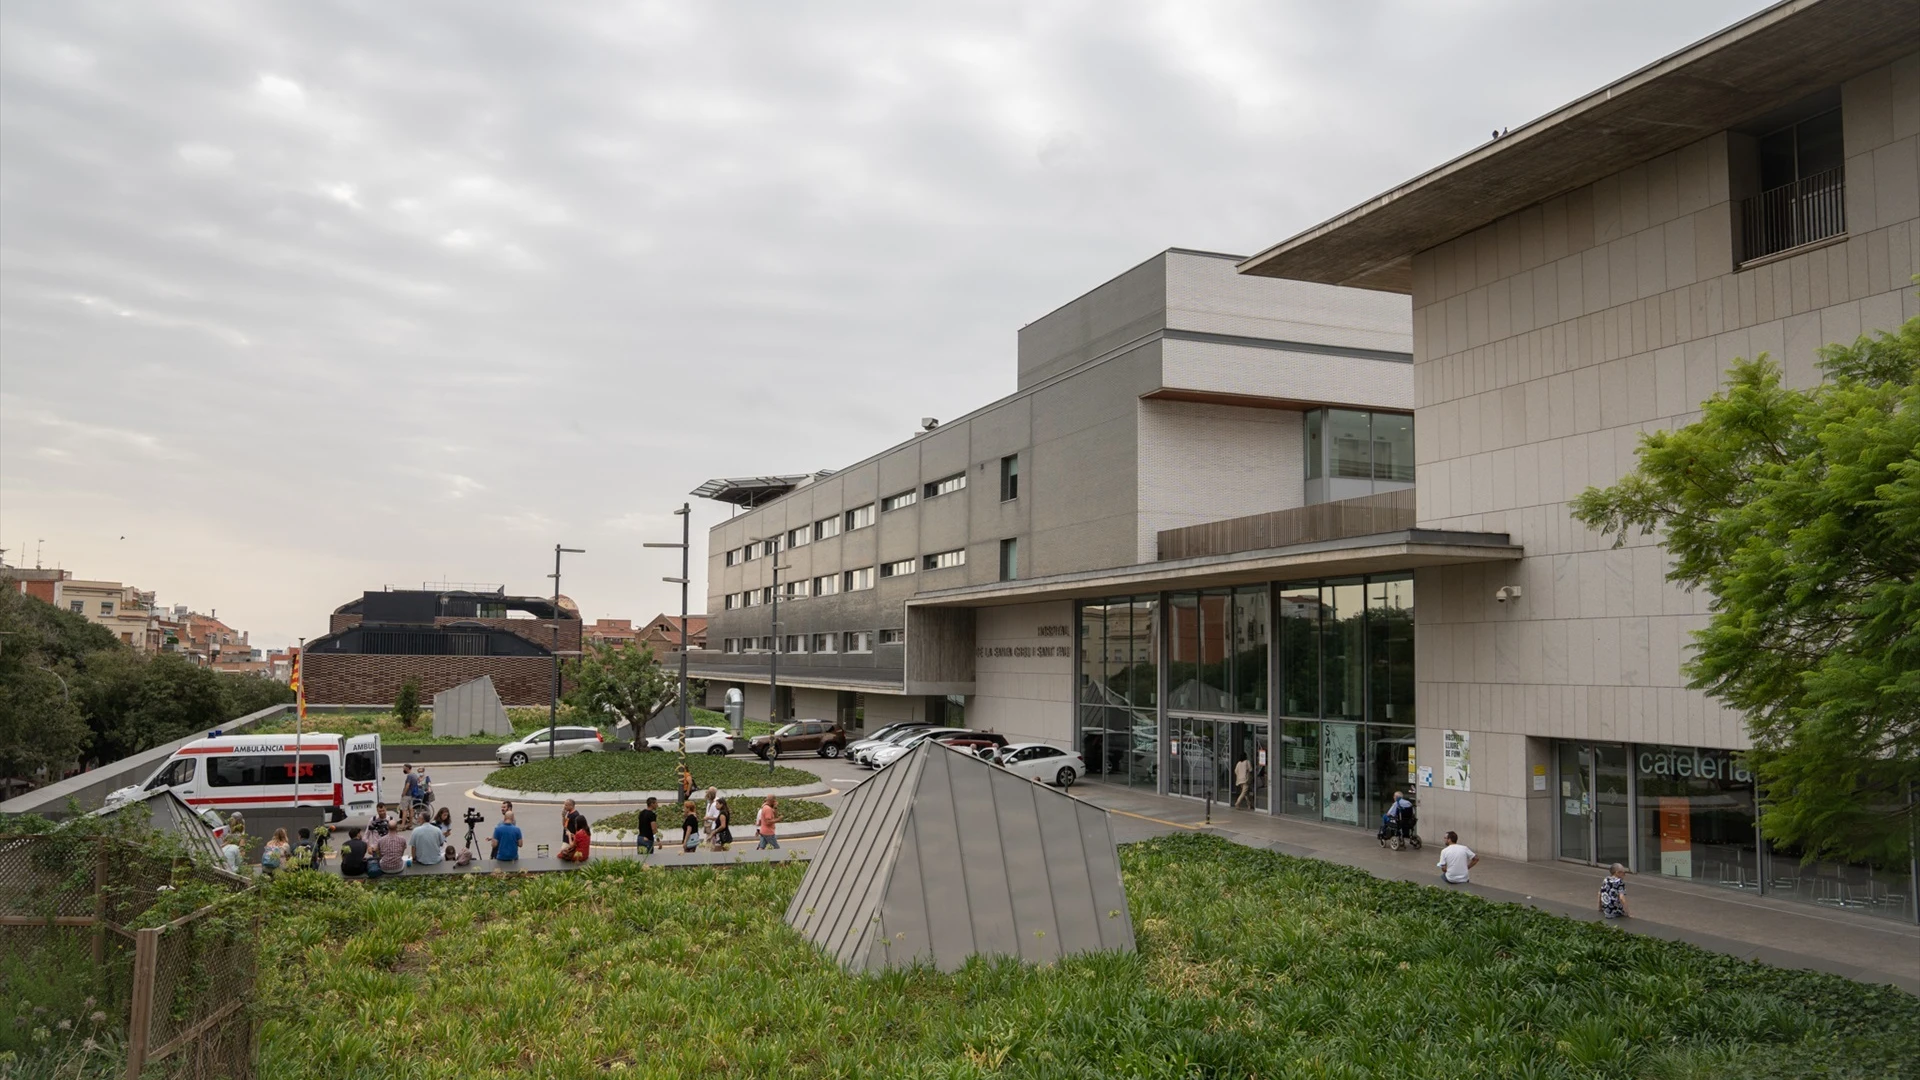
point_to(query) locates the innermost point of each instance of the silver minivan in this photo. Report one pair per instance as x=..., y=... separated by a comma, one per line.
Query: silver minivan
x=567, y=741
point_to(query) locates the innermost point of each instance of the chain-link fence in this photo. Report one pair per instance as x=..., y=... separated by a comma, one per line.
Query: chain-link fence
x=174, y=993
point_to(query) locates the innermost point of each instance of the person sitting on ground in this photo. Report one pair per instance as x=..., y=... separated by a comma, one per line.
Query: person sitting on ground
x=391, y=852
x=236, y=826
x=443, y=820
x=506, y=839
x=230, y=855
x=1613, y=893
x=276, y=854
x=689, y=828
x=579, y=844
x=1455, y=860
x=429, y=843
x=353, y=854
x=304, y=855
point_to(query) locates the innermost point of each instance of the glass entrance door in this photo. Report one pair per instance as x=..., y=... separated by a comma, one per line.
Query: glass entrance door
x=1243, y=750
x=1595, y=817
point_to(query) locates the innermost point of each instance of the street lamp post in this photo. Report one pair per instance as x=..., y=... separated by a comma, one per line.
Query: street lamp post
x=685, y=513
x=773, y=671
x=553, y=701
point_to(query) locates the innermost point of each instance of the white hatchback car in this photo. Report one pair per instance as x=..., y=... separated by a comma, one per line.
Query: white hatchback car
x=700, y=740
x=567, y=741
x=1038, y=761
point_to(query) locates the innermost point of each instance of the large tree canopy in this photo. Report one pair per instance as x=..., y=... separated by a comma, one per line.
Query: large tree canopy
x=623, y=681
x=1799, y=512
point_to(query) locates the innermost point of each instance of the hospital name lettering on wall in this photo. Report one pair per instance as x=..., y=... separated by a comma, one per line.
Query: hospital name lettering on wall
x=1704, y=766
x=1052, y=631
x=1022, y=651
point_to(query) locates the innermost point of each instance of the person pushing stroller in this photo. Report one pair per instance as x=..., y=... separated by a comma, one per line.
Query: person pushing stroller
x=1397, y=824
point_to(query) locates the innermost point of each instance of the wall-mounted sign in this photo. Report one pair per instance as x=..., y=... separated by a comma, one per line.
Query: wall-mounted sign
x=1052, y=631
x=1426, y=776
x=1173, y=747
x=1456, y=764
x=1263, y=757
x=1539, y=778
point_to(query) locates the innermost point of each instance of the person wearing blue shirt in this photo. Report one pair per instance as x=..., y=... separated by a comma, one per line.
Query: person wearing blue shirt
x=506, y=839
x=429, y=844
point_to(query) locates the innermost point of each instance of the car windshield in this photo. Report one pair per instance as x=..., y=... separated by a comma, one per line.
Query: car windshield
x=906, y=733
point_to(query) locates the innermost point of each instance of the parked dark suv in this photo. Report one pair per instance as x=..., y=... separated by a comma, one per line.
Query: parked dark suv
x=823, y=737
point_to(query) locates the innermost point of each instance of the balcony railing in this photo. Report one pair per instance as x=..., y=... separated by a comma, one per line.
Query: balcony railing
x=1809, y=209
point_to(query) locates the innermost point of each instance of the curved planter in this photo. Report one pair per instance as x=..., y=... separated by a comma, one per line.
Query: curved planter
x=592, y=798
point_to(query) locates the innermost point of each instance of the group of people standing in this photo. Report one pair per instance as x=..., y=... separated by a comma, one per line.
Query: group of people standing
x=713, y=827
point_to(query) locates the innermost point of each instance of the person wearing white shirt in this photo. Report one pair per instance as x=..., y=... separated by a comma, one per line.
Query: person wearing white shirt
x=1455, y=860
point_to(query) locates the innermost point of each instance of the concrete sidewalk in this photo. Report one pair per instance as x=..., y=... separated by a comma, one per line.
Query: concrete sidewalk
x=1776, y=932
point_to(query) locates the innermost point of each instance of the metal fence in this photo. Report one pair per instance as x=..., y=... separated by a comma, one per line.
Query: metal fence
x=1811, y=208
x=176, y=994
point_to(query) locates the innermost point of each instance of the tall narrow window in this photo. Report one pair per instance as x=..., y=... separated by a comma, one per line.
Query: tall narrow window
x=1316, y=449
x=1010, y=559
x=1009, y=477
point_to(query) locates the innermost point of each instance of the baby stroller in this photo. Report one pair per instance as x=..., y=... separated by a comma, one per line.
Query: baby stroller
x=1397, y=826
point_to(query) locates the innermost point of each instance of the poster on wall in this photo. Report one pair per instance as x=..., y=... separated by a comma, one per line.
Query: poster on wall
x=1340, y=780
x=1456, y=764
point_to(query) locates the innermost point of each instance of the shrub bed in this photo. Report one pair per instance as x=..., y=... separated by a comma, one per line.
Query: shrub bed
x=1250, y=963
x=641, y=772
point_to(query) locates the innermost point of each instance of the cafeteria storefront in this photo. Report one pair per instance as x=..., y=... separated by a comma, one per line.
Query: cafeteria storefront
x=1689, y=812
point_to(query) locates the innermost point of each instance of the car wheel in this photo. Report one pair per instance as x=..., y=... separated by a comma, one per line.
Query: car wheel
x=1065, y=777
x=831, y=750
x=519, y=758
x=716, y=748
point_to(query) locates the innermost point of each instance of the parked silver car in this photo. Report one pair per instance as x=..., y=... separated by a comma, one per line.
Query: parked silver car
x=567, y=741
x=885, y=735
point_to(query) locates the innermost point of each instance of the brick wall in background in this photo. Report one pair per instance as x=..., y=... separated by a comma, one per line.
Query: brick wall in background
x=350, y=679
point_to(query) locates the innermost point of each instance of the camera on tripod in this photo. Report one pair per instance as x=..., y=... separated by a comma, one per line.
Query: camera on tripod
x=473, y=817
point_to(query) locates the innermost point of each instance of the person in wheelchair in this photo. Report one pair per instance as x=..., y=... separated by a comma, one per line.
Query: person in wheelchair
x=1397, y=824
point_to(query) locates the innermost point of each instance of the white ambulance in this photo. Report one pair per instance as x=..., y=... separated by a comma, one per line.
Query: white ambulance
x=340, y=774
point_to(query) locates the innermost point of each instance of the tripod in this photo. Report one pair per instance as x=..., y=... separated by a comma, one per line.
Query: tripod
x=470, y=843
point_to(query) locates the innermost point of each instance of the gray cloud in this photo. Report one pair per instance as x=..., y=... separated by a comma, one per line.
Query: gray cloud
x=305, y=299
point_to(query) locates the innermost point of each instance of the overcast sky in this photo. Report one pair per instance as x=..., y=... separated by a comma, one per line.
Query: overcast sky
x=302, y=299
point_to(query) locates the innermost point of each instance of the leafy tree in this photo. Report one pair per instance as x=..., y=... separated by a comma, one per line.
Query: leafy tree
x=135, y=703
x=248, y=693
x=625, y=681
x=406, y=704
x=42, y=731
x=1799, y=511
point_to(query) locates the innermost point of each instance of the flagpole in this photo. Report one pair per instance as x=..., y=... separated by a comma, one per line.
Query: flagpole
x=299, y=716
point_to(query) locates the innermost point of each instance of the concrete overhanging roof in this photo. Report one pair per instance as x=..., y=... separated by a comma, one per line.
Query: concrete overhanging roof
x=1764, y=62
x=1380, y=553
x=886, y=682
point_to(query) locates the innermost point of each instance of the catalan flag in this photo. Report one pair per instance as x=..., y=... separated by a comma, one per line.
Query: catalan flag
x=299, y=692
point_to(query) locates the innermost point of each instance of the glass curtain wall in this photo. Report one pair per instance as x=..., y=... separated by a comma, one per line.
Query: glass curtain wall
x=1118, y=689
x=1345, y=696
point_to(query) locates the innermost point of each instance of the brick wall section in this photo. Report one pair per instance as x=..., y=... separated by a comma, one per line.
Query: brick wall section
x=349, y=679
x=534, y=630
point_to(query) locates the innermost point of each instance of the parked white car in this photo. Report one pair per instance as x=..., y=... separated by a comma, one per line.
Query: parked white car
x=700, y=740
x=1038, y=761
x=884, y=736
x=884, y=755
x=567, y=741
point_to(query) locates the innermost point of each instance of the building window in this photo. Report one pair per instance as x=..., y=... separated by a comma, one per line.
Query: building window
x=859, y=517
x=826, y=527
x=897, y=569
x=747, y=553
x=947, y=485
x=766, y=595
x=766, y=643
x=859, y=579
x=823, y=643
x=771, y=546
x=859, y=641
x=1794, y=165
x=106, y=607
x=899, y=502
x=800, y=537
x=78, y=607
x=941, y=560
x=729, y=601
x=1009, y=477
x=893, y=637
x=731, y=645
x=826, y=586
x=733, y=557
x=1010, y=559
x=795, y=590
x=749, y=598
x=1355, y=444
x=795, y=643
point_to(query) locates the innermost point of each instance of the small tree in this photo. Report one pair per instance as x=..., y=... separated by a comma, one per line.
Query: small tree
x=623, y=680
x=1799, y=511
x=406, y=704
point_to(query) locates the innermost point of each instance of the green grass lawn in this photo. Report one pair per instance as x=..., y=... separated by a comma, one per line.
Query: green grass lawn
x=790, y=810
x=1251, y=963
x=620, y=771
x=388, y=727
